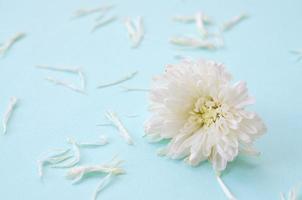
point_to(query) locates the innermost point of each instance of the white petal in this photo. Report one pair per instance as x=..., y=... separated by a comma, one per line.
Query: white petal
x=219, y=163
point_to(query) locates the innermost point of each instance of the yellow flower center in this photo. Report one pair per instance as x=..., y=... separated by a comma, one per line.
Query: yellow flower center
x=206, y=112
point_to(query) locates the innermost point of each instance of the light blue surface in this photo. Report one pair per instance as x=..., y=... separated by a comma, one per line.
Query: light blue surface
x=257, y=51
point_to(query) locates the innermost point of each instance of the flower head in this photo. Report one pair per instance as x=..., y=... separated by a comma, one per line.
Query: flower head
x=195, y=105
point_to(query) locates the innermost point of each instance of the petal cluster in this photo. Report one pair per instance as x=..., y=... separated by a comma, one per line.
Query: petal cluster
x=195, y=105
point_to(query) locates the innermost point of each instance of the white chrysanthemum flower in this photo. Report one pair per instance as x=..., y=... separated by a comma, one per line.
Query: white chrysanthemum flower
x=196, y=106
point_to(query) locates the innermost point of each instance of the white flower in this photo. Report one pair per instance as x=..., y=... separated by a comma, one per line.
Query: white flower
x=195, y=105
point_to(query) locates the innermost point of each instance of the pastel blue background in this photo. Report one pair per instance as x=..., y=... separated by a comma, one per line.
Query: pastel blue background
x=257, y=51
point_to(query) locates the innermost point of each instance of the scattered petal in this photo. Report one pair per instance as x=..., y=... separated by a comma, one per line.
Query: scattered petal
x=103, y=183
x=200, y=24
x=113, y=118
x=193, y=42
x=52, y=157
x=7, y=115
x=111, y=169
x=298, y=53
x=126, y=78
x=74, y=70
x=103, y=140
x=75, y=158
x=101, y=23
x=88, y=11
x=135, y=30
x=80, y=172
x=6, y=46
x=192, y=18
x=66, y=84
x=82, y=79
x=292, y=194
x=234, y=21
